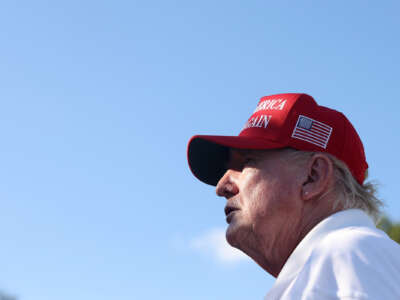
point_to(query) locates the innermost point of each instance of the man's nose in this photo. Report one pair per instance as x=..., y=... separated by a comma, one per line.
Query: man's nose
x=227, y=185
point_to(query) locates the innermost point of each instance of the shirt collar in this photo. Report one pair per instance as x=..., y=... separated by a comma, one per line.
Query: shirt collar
x=296, y=261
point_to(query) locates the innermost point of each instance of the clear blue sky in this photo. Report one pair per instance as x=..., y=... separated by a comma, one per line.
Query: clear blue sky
x=98, y=101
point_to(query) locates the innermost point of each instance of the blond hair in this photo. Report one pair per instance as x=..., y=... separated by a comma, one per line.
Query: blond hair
x=354, y=194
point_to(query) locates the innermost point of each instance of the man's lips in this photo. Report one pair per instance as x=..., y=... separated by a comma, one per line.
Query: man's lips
x=229, y=212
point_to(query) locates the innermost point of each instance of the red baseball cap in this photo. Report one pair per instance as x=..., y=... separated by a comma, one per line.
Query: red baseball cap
x=279, y=121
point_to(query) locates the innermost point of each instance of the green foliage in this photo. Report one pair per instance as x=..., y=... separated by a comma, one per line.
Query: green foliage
x=392, y=229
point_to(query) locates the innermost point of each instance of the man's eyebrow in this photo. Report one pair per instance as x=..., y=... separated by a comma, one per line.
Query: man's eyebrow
x=236, y=157
x=249, y=152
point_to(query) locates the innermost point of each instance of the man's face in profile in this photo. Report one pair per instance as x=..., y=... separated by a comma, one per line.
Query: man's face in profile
x=262, y=192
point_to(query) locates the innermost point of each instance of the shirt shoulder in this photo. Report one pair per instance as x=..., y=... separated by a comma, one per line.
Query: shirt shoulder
x=364, y=245
x=355, y=239
x=352, y=263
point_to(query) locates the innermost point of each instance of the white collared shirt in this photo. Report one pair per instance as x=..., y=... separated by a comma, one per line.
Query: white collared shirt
x=343, y=257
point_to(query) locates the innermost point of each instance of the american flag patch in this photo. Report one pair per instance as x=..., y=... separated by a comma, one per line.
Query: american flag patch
x=312, y=131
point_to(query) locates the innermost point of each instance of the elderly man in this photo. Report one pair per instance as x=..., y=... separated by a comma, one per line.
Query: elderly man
x=297, y=201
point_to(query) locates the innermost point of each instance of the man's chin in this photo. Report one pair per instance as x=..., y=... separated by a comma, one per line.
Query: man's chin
x=232, y=235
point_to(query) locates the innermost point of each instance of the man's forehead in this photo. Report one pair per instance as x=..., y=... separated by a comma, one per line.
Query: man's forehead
x=233, y=152
x=237, y=156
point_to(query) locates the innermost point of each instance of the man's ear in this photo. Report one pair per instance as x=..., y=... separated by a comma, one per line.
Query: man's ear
x=319, y=177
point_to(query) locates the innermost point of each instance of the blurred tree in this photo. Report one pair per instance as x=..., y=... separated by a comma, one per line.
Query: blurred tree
x=392, y=229
x=4, y=296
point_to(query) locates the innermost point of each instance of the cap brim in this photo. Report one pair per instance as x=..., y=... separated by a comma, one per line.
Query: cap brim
x=208, y=154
